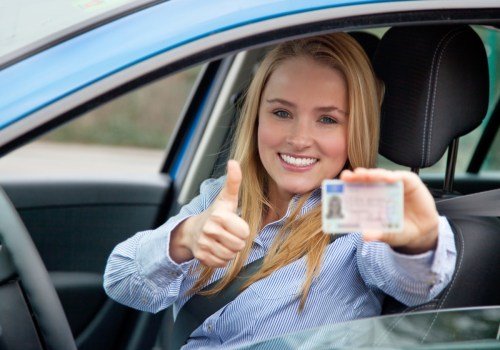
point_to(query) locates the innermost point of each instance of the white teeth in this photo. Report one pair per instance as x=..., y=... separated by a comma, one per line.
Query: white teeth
x=298, y=161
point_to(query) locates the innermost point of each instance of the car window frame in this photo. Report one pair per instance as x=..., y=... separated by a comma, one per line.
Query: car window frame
x=205, y=50
x=239, y=38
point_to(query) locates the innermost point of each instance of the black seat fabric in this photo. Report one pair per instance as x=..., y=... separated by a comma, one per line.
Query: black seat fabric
x=437, y=90
x=368, y=41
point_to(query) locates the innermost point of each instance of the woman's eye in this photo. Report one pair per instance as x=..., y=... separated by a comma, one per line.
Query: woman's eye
x=327, y=120
x=281, y=114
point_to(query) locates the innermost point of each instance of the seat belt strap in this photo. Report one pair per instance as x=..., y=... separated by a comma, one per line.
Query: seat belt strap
x=199, y=307
x=485, y=203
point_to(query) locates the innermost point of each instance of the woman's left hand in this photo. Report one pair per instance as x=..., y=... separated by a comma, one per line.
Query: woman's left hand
x=421, y=219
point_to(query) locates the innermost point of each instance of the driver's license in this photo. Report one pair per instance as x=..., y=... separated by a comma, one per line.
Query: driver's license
x=356, y=207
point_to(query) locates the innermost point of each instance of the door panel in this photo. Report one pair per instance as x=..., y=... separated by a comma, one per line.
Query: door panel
x=75, y=225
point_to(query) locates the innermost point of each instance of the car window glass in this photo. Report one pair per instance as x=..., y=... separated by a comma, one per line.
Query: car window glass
x=492, y=162
x=125, y=136
x=445, y=328
x=468, y=143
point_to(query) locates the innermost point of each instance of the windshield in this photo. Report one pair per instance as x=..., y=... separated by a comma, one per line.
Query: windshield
x=421, y=330
x=27, y=25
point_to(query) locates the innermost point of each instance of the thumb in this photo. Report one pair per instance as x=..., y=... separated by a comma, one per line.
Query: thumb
x=231, y=189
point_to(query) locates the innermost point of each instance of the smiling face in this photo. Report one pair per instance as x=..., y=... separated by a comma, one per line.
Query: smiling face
x=302, y=130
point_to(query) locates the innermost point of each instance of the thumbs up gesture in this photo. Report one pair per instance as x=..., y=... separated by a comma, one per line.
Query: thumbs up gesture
x=215, y=236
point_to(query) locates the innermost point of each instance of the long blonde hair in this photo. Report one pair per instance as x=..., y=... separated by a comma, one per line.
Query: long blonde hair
x=301, y=235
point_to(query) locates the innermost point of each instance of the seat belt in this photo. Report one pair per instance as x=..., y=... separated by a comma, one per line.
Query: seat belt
x=485, y=203
x=199, y=307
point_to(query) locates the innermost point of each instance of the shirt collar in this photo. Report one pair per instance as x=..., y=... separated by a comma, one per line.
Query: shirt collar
x=269, y=232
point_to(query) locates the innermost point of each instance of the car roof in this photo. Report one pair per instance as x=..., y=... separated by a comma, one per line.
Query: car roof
x=33, y=25
x=168, y=34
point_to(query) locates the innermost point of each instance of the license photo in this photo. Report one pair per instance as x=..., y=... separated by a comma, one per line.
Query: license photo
x=356, y=207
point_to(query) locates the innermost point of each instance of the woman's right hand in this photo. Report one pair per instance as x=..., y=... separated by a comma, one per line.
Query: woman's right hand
x=215, y=236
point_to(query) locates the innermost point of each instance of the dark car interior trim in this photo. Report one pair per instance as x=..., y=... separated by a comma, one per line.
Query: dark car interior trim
x=38, y=291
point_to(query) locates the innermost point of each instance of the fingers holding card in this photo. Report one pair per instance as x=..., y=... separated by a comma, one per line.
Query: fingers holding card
x=390, y=206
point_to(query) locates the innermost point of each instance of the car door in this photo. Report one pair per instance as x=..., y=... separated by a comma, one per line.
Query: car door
x=79, y=199
x=76, y=218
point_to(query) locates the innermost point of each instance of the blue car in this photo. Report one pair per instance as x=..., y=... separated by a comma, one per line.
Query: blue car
x=113, y=112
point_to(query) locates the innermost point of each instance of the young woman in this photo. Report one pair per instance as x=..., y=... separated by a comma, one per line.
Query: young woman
x=310, y=113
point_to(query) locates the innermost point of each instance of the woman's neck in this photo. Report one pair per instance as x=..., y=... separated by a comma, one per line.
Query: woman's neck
x=279, y=206
x=272, y=216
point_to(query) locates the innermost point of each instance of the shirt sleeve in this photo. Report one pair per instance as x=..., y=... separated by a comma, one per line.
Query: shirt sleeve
x=140, y=272
x=411, y=279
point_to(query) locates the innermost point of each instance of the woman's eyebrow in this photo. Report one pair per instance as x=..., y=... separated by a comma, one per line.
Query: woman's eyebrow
x=281, y=101
x=326, y=109
x=330, y=109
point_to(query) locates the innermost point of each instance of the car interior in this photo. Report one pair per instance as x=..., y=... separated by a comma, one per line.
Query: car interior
x=435, y=93
x=422, y=122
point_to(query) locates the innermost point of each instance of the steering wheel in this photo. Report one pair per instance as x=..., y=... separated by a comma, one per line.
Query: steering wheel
x=19, y=256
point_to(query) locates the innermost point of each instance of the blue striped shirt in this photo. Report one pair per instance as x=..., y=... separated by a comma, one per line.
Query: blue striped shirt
x=353, y=280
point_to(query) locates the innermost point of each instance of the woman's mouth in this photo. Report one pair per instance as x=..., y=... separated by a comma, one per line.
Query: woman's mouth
x=298, y=161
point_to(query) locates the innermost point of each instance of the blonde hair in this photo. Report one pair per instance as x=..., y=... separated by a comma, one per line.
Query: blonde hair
x=301, y=235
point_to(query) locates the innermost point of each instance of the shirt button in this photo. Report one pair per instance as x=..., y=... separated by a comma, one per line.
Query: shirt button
x=210, y=328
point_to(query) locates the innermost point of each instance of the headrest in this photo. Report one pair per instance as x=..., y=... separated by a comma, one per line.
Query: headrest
x=437, y=89
x=368, y=42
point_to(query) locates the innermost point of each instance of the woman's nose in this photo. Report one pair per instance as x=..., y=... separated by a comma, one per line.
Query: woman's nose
x=299, y=135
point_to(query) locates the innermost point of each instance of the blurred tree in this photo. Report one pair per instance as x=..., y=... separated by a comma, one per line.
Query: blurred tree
x=144, y=117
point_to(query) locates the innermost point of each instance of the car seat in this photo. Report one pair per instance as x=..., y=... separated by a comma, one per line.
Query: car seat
x=368, y=41
x=437, y=89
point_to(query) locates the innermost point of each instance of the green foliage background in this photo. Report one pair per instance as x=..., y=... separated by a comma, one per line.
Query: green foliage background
x=143, y=118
